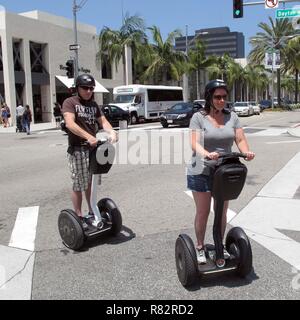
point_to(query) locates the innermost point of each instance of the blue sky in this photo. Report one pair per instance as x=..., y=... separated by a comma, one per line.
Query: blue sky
x=168, y=15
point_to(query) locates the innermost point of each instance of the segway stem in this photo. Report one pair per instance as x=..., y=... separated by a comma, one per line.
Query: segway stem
x=217, y=228
x=93, y=200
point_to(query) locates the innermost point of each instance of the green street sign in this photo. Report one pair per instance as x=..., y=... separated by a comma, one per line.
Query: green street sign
x=287, y=13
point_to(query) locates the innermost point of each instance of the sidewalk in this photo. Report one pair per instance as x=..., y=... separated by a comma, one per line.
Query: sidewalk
x=33, y=127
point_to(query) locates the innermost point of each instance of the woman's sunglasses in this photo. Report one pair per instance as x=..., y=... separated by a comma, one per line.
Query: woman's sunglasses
x=86, y=88
x=219, y=97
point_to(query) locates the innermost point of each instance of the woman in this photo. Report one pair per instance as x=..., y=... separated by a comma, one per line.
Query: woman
x=213, y=130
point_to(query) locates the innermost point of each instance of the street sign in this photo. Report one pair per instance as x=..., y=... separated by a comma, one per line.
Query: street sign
x=271, y=4
x=287, y=13
x=74, y=46
x=296, y=23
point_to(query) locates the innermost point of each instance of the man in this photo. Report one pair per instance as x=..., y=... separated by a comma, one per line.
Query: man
x=20, y=111
x=81, y=114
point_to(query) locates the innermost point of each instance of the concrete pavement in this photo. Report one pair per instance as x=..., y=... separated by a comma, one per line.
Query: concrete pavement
x=33, y=127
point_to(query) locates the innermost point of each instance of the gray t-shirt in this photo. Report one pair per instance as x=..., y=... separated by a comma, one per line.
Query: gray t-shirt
x=212, y=139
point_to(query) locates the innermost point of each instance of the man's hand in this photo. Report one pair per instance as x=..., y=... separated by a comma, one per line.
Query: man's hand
x=113, y=136
x=92, y=141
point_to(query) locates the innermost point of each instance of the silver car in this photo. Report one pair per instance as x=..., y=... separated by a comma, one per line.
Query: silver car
x=243, y=108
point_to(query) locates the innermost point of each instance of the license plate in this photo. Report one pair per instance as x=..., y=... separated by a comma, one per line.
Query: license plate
x=170, y=121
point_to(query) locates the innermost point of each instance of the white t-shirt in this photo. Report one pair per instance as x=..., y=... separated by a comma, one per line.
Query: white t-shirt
x=20, y=110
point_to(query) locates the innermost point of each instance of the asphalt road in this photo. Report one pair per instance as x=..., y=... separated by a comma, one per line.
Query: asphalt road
x=139, y=264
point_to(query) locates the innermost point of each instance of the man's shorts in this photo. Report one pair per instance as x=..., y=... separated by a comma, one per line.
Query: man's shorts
x=79, y=166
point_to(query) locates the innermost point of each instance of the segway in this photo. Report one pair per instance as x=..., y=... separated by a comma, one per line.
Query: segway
x=229, y=179
x=106, y=217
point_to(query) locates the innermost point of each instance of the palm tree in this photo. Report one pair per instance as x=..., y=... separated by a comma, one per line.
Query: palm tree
x=197, y=61
x=292, y=61
x=114, y=44
x=271, y=38
x=164, y=61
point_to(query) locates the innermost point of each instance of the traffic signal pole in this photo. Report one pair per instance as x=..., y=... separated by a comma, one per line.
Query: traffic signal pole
x=76, y=63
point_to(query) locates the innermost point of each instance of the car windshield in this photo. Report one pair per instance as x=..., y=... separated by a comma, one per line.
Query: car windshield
x=182, y=107
x=124, y=98
x=241, y=104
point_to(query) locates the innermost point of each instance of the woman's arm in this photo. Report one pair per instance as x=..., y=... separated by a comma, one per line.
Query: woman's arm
x=196, y=146
x=242, y=144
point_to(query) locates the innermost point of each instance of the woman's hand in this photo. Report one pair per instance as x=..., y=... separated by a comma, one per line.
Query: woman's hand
x=212, y=155
x=250, y=155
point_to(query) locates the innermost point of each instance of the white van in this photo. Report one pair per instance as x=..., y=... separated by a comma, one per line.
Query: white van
x=146, y=102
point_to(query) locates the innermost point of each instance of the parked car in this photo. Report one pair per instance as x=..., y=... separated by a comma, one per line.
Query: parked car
x=256, y=107
x=200, y=102
x=115, y=114
x=243, y=108
x=179, y=114
x=265, y=104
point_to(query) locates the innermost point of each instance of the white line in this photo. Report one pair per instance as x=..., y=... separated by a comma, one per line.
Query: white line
x=278, y=142
x=271, y=120
x=286, y=182
x=23, y=234
x=230, y=214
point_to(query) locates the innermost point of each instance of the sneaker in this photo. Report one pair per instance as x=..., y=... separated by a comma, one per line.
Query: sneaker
x=83, y=223
x=201, y=258
x=226, y=254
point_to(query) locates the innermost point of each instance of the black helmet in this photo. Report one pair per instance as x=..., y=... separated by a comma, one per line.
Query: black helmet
x=212, y=86
x=85, y=80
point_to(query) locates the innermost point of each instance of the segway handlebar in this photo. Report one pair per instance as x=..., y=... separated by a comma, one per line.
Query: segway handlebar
x=224, y=155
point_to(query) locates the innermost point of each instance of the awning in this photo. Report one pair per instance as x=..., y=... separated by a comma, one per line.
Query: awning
x=69, y=82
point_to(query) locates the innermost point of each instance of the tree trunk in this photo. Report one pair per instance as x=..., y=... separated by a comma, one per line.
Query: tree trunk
x=278, y=87
x=198, y=84
x=296, y=86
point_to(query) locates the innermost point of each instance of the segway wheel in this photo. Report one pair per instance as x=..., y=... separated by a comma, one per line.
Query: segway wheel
x=186, y=260
x=70, y=229
x=238, y=245
x=111, y=213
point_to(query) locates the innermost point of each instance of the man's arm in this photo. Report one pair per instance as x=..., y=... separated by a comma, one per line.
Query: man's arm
x=113, y=136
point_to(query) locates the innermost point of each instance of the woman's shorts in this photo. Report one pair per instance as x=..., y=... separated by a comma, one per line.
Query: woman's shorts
x=79, y=166
x=199, y=183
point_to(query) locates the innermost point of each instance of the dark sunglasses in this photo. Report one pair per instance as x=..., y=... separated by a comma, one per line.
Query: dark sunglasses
x=86, y=88
x=219, y=97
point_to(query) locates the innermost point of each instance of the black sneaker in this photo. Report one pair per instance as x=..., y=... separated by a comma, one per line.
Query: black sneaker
x=83, y=223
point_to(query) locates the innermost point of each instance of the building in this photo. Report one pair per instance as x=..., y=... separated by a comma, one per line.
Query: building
x=34, y=48
x=217, y=42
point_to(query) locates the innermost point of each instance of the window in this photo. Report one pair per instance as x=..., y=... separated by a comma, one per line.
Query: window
x=164, y=95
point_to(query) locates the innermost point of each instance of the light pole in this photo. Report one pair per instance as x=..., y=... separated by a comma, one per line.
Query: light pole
x=75, y=9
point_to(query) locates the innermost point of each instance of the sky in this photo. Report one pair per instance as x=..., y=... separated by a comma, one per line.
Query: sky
x=168, y=15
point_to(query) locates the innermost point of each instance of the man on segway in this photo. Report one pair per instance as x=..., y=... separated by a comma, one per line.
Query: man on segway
x=83, y=117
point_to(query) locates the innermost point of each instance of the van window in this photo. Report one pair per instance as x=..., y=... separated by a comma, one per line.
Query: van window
x=124, y=98
x=164, y=95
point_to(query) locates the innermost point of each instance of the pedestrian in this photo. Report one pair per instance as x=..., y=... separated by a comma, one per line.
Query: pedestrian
x=20, y=111
x=5, y=114
x=81, y=114
x=27, y=118
x=57, y=114
x=213, y=130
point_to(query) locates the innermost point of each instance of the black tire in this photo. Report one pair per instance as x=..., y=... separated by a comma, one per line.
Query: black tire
x=70, y=229
x=238, y=244
x=110, y=211
x=165, y=125
x=134, y=118
x=186, y=260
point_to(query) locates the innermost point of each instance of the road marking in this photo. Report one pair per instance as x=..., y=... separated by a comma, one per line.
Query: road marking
x=270, y=132
x=23, y=234
x=279, y=142
x=230, y=214
x=286, y=182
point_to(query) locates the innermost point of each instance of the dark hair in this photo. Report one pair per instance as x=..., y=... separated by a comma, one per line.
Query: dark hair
x=210, y=88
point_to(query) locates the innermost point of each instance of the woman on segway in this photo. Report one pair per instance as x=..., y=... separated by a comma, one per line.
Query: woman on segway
x=213, y=130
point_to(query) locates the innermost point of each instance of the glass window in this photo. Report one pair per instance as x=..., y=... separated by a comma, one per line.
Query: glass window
x=124, y=98
x=164, y=95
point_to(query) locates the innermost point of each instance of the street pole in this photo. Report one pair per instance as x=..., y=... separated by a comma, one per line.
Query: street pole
x=272, y=76
x=76, y=63
x=185, y=76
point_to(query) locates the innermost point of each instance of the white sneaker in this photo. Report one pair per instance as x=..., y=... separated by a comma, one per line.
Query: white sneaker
x=201, y=258
x=226, y=254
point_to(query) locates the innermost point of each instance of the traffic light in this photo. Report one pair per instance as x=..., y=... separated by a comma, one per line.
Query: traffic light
x=70, y=68
x=237, y=8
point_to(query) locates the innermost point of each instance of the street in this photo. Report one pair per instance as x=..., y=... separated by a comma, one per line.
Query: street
x=140, y=263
